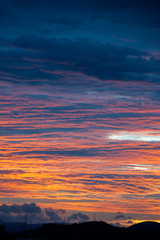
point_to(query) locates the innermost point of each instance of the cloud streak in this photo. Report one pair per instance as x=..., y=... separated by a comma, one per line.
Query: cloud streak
x=133, y=136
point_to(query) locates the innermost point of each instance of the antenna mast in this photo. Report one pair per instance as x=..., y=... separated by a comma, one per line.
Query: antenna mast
x=25, y=222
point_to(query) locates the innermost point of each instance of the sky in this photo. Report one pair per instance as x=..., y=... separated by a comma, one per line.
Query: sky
x=79, y=110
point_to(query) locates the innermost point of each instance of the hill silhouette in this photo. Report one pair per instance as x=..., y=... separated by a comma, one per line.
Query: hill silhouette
x=87, y=231
x=13, y=227
x=146, y=226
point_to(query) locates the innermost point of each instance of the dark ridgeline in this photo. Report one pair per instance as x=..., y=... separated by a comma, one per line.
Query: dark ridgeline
x=87, y=231
x=2, y=232
x=146, y=226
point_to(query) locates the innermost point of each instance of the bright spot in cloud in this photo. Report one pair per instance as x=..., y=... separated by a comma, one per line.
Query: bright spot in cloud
x=143, y=167
x=135, y=136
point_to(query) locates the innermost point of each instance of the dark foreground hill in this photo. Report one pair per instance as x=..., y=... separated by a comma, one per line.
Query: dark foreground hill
x=83, y=231
x=146, y=226
x=14, y=227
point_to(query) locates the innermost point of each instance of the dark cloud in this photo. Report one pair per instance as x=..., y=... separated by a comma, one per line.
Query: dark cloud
x=117, y=224
x=149, y=176
x=18, y=181
x=78, y=217
x=84, y=152
x=67, y=22
x=25, y=208
x=20, y=130
x=92, y=51
x=89, y=57
x=73, y=152
x=90, y=4
x=146, y=12
x=7, y=172
x=130, y=222
x=28, y=200
x=119, y=216
x=152, y=196
x=112, y=20
x=52, y=215
x=61, y=211
x=16, y=212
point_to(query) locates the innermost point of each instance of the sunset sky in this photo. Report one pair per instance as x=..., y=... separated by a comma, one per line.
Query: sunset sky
x=80, y=109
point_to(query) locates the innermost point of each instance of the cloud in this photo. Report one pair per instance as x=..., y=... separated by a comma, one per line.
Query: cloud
x=119, y=216
x=117, y=224
x=130, y=222
x=25, y=208
x=119, y=19
x=52, y=215
x=89, y=152
x=78, y=217
x=16, y=212
x=8, y=172
x=135, y=136
x=67, y=22
x=152, y=196
x=88, y=57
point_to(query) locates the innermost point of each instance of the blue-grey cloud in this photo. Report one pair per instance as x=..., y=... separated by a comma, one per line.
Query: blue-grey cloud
x=91, y=58
x=78, y=217
x=152, y=196
x=119, y=216
x=67, y=22
x=34, y=213
x=25, y=208
x=52, y=215
x=7, y=172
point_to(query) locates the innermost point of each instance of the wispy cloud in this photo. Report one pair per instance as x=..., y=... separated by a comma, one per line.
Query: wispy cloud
x=135, y=136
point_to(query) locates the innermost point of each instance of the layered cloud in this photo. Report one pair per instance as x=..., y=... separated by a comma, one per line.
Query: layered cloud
x=92, y=58
x=79, y=107
x=30, y=211
x=78, y=217
x=25, y=208
x=35, y=214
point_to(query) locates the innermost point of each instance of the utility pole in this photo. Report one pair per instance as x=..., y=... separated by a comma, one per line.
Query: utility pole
x=25, y=222
x=25, y=226
x=30, y=224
